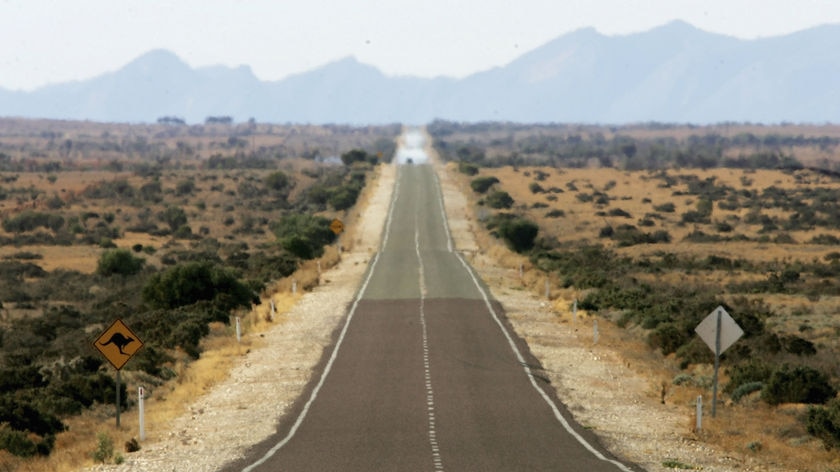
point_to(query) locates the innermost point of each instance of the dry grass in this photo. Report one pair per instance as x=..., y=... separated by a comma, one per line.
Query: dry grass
x=164, y=402
x=751, y=431
x=637, y=193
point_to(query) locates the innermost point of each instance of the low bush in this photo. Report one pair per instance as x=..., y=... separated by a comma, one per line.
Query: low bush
x=31, y=220
x=499, y=200
x=519, y=234
x=467, y=168
x=192, y=282
x=119, y=262
x=746, y=389
x=668, y=337
x=482, y=184
x=535, y=188
x=824, y=423
x=799, y=384
x=303, y=235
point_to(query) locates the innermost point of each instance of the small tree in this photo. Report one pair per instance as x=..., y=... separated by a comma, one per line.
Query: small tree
x=193, y=282
x=519, y=234
x=303, y=235
x=173, y=216
x=499, y=200
x=800, y=384
x=278, y=181
x=482, y=184
x=824, y=423
x=119, y=261
x=351, y=157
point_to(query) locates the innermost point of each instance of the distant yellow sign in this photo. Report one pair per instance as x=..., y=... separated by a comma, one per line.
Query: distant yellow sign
x=118, y=344
x=337, y=226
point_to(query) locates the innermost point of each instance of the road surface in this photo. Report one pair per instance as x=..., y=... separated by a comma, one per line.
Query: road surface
x=425, y=373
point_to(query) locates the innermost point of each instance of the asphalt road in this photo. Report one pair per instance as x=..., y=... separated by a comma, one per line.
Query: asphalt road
x=425, y=374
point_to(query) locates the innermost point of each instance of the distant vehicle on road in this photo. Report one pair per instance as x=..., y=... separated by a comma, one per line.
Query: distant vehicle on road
x=409, y=161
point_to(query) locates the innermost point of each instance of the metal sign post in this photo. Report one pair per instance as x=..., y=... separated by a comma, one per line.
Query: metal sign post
x=719, y=331
x=118, y=344
x=118, y=400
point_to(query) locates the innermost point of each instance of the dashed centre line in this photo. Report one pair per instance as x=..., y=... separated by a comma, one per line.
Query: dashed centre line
x=427, y=368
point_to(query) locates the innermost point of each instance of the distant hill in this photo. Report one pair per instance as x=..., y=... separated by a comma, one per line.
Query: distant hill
x=673, y=73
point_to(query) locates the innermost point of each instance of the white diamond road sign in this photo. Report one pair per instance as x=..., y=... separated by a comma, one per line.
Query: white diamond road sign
x=729, y=330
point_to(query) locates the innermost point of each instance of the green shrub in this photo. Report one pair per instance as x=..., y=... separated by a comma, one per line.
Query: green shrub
x=343, y=197
x=824, y=423
x=800, y=384
x=303, y=235
x=174, y=217
x=151, y=360
x=104, y=448
x=482, y=184
x=22, y=415
x=535, y=188
x=499, y=200
x=752, y=371
x=519, y=234
x=668, y=337
x=746, y=389
x=31, y=220
x=798, y=346
x=665, y=208
x=191, y=282
x=467, y=168
x=278, y=181
x=184, y=187
x=119, y=262
x=355, y=155
x=17, y=442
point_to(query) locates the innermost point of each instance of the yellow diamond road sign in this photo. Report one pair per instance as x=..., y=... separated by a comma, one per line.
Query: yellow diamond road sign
x=337, y=226
x=118, y=344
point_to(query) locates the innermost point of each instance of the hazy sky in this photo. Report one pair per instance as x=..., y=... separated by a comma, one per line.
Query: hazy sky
x=43, y=41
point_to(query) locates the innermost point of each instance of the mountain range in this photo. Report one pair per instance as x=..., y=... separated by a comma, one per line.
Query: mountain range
x=672, y=73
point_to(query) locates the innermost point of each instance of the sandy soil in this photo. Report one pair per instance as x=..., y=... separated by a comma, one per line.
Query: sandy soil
x=595, y=380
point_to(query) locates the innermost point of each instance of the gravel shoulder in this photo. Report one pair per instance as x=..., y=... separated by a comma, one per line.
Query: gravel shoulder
x=594, y=380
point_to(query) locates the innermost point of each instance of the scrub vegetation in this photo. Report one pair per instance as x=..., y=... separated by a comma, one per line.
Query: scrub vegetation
x=654, y=226
x=174, y=229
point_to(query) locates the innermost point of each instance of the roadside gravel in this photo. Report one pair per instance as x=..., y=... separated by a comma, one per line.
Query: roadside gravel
x=594, y=381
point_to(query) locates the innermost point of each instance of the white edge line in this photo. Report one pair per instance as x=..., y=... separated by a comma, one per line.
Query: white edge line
x=519, y=356
x=530, y=375
x=338, y=343
x=443, y=212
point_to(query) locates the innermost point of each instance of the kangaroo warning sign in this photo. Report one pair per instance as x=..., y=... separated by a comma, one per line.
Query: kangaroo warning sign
x=337, y=226
x=118, y=344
